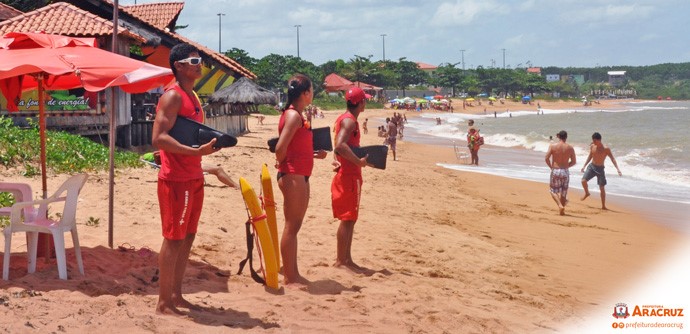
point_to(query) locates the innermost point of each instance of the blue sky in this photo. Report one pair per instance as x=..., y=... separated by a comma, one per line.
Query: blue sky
x=580, y=33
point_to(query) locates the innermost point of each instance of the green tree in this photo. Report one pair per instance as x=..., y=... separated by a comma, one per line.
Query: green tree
x=242, y=57
x=408, y=73
x=26, y=5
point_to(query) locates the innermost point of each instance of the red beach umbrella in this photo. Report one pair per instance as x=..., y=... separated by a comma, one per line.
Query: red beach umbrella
x=43, y=61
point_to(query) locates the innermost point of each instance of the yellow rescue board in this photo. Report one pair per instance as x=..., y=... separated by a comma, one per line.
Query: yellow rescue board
x=262, y=230
x=270, y=209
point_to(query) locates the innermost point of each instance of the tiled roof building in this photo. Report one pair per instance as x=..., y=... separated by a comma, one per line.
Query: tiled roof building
x=63, y=19
x=160, y=15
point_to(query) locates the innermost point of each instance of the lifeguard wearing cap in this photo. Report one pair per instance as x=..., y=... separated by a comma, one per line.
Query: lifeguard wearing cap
x=355, y=95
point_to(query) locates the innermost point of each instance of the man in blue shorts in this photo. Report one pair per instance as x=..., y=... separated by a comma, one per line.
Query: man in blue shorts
x=559, y=158
x=597, y=154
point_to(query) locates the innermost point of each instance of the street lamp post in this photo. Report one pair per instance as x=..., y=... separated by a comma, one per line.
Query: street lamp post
x=462, y=53
x=504, y=58
x=219, y=36
x=383, y=37
x=297, y=26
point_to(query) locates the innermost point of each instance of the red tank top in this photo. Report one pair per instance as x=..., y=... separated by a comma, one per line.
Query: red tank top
x=300, y=151
x=181, y=167
x=347, y=167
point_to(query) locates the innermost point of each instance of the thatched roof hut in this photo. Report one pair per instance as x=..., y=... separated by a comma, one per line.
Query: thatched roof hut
x=243, y=91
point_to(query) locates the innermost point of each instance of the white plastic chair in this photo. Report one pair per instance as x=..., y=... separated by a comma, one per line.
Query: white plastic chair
x=20, y=191
x=32, y=224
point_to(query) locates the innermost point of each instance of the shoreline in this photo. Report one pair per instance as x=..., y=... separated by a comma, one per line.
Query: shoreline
x=444, y=250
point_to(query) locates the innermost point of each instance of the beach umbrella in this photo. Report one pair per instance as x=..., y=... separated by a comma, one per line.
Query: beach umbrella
x=469, y=99
x=492, y=99
x=526, y=98
x=438, y=97
x=429, y=98
x=53, y=62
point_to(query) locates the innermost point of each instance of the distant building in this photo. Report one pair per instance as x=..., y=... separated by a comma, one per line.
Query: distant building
x=616, y=78
x=553, y=77
x=576, y=78
x=535, y=70
x=428, y=68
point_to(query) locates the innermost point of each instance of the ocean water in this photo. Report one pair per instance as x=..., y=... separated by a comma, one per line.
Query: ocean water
x=650, y=141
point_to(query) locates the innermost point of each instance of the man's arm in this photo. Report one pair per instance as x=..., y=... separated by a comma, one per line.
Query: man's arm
x=589, y=158
x=573, y=157
x=610, y=155
x=341, y=148
x=549, y=153
x=170, y=104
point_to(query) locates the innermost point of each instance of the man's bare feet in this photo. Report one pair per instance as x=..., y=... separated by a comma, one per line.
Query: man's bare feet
x=561, y=211
x=163, y=309
x=348, y=265
x=604, y=208
x=585, y=196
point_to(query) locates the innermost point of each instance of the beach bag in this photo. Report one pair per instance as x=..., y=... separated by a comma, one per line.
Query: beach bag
x=480, y=140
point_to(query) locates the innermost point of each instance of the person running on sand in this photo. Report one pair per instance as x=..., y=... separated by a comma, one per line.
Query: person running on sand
x=597, y=154
x=180, y=179
x=295, y=158
x=346, y=188
x=364, y=126
x=560, y=157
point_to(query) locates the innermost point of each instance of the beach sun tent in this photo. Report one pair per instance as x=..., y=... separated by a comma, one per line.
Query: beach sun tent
x=334, y=83
x=53, y=62
x=526, y=98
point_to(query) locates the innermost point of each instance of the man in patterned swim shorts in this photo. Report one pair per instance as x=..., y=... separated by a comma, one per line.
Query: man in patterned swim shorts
x=559, y=158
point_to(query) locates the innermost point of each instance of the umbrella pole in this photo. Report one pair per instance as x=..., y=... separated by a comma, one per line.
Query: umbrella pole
x=112, y=136
x=42, y=134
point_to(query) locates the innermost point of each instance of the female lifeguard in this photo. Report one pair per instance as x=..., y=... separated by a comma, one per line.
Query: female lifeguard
x=295, y=157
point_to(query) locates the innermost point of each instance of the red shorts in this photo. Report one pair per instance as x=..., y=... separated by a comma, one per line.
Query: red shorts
x=346, y=191
x=180, y=204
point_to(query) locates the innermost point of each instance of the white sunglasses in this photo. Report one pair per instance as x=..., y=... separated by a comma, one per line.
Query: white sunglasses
x=191, y=60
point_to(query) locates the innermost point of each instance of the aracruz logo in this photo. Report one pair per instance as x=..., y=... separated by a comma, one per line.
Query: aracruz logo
x=620, y=311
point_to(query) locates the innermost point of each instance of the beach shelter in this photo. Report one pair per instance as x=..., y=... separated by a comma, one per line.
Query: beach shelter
x=244, y=90
x=53, y=62
x=334, y=83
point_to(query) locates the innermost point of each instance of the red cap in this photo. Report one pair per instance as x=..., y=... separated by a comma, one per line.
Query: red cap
x=355, y=95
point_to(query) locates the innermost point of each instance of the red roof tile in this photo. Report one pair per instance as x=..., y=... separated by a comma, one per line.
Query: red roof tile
x=63, y=19
x=160, y=15
x=8, y=12
x=424, y=66
x=226, y=61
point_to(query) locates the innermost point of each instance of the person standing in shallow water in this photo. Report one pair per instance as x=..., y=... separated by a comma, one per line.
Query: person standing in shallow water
x=295, y=161
x=597, y=154
x=560, y=157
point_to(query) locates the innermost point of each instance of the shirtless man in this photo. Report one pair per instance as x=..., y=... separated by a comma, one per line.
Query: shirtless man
x=559, y=158
x=597, y=154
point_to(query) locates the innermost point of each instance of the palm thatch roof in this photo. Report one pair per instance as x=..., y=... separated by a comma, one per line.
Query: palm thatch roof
x=243, y=90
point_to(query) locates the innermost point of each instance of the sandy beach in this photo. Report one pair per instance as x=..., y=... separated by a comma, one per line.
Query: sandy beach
x=446, y=252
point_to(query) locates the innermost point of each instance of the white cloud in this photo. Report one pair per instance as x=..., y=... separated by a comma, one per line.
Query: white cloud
x=610, y=14
x=648, y=37
x=464, y=12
